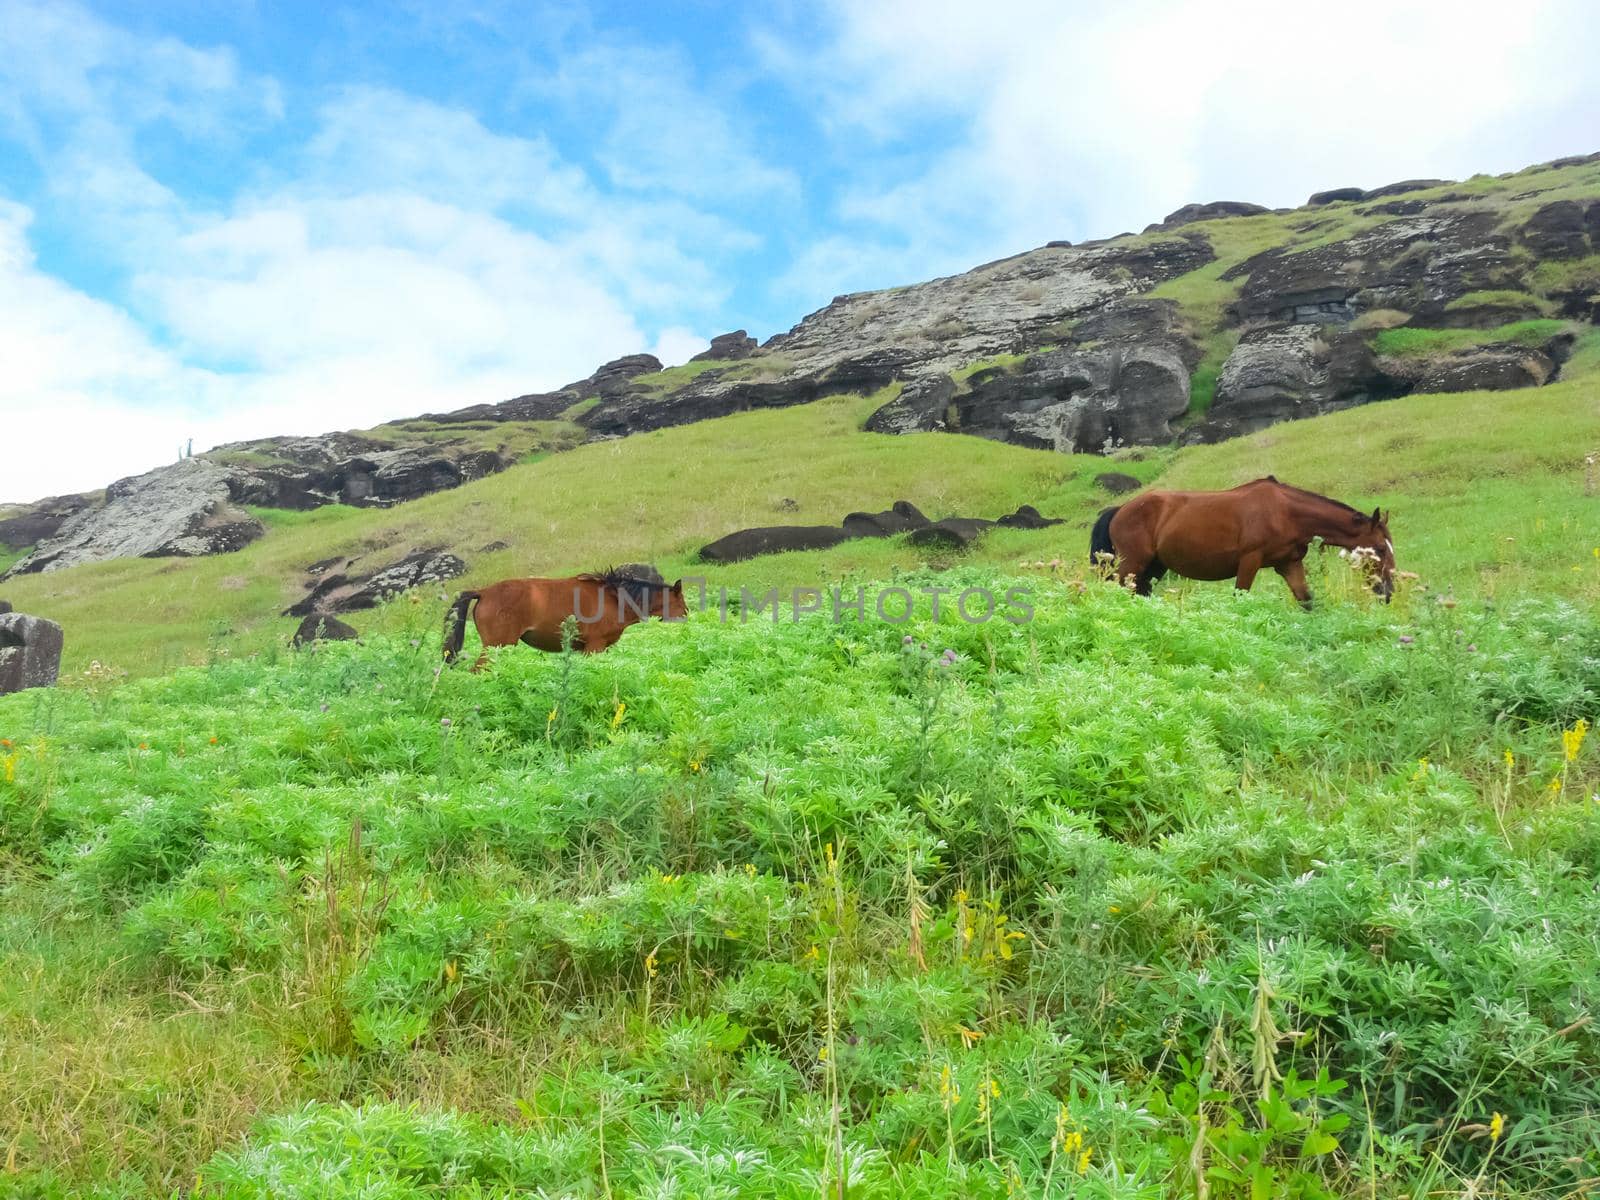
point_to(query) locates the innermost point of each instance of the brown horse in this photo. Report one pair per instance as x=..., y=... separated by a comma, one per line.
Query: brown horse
x=532, y=611
x=1233, y=534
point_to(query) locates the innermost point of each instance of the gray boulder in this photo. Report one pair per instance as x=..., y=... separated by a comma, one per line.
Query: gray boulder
x=339, y=588
x=184, y=510
x=30, y=652
x=1335, y=195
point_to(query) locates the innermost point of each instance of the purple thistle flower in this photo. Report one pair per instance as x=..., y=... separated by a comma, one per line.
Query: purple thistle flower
x=1406, y=639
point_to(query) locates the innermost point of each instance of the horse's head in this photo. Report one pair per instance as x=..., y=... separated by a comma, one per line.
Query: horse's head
x=673, y=606
x=1371, y=544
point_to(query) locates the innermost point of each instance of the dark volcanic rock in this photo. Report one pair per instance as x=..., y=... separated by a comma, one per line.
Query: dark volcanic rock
x=343, y=468
x=30, y=652
x=42, y=520
x=1417, y=265
x=183, y=510
x=952, y=533
x=1285, y=372
x=1190, y=213
x=1404, y=186
x=1333, y=195
x=901, y=517
x=342, y=590
x=1028, y=517
x=1497, y=367
x=1117, y=483
x=320, y=627
x=772, y=539
x=5, y=607
x=1558, y=230
x=728, y=346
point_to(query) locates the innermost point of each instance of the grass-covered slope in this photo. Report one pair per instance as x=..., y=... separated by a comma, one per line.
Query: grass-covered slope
x=1487, y=489
x=1131, y=891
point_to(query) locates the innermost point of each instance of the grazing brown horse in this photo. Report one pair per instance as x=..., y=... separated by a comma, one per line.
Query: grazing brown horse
x=1233, y=534
x=532, y=610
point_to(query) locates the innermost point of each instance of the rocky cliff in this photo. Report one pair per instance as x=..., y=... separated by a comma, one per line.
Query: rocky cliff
x=1216, y=321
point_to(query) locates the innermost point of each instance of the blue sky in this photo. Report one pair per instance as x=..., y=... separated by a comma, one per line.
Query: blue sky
x=226, y=220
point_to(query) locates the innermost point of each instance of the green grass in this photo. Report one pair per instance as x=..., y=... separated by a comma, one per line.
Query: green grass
x=1500, y=299
x=1567, y=275
x=9, y=557
x=660, y=496
x=755, y=367
x=1002, y=362
x=1203, y=383
x=329, y=925
x=1410, y=340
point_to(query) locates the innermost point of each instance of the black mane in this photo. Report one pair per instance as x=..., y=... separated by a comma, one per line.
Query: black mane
x=636, y=587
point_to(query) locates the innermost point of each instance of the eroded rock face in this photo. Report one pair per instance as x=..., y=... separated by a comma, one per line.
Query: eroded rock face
x=1418, y=265
x=917, y=335
x=1286, y=372
x=338, y=587
x=1074, y=401
x=42, y=520
x=1563, y=229
x=728, y=347
x=184, y=510
x=30, y=652
x=343, y=468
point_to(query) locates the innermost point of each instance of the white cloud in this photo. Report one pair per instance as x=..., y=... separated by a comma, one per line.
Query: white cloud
x=677, y=345
x=391, y=267
x=1081, y=121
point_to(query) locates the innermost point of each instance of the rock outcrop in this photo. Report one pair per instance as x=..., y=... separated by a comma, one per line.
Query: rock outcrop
x=901, y=517
x=1080, y=348
x=728, y=347
x=336, y=586
x=321, y=627
x=28, y=525
x=30, y=652
x=183, y=510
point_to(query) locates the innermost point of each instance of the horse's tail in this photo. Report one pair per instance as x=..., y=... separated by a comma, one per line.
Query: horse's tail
x=455, y=625
x=1100, y=537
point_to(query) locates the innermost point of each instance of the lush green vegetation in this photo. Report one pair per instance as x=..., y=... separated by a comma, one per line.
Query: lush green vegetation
x=1410, y=340
x=1095, y=901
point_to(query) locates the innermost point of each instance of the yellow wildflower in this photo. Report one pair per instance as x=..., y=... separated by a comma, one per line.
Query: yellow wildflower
x=650, y=964
x=1572, y=739
x=450, y=971
x=1497, y=1126
x=969, y=1036
x=1083, y=1159
x=616, y=717
x=1511, y=759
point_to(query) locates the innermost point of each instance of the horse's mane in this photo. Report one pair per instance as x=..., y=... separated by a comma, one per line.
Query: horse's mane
x=1310, y=495
x=634, y=585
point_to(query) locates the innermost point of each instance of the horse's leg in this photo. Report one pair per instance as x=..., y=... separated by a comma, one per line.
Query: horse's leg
x=1249, y=564
x=1294, y=574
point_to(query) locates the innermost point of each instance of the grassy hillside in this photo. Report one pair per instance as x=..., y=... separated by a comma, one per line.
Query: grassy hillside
x=1090, y=904
x=1132, y=891
x=1487, y=490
